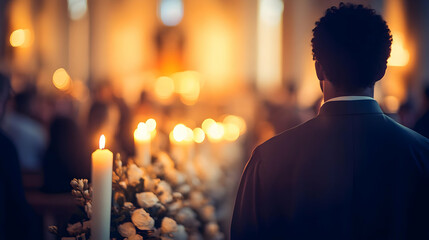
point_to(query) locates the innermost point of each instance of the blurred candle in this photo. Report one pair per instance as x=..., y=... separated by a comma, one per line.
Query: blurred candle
x=142, y=138
x=102, y=163
x=181, y=139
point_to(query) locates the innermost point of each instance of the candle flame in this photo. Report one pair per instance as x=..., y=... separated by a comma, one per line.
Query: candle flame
x=215, y=132
x=142, y=133
x=102, y=141
x=151, y=124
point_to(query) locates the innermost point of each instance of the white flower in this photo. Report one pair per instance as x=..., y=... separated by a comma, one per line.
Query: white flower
x=207, y=213
x=175, y=177
x=86, y=225
x=211, y=229
x=128, y=205
x=165, y=160
x=134, y=174
x=186, y=216
x=135, y=237
x=184, y=189
x=175, y=206
x=123, y=184
x=88, y=209
x=168, y=225
x=196, y=199
x=74, y=229
x=146, y=199
x=196, y=236
x=81, y=184
x=127, y=229
x=165, y=197
x=149, y=184
x=142, y=220
x=163, y=187
x=180, y=234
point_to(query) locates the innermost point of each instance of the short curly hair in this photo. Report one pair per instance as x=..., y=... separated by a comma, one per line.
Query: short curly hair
x=352, y=43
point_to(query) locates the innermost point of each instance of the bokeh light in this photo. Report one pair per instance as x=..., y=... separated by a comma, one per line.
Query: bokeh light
x=179, y=132
x=61, y=79
x=164, y=88
x=171, y=12
x=237, y=121
x=20, y=38
x=215, y=132
x=232, y=132
x=199, y=135
x=399, y=55
x=142, y=133
x=207, y=123
x=151, y=124
x=77, y=8
x=188, y=85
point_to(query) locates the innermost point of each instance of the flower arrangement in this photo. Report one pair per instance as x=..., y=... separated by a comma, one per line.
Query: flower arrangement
x=159, y=201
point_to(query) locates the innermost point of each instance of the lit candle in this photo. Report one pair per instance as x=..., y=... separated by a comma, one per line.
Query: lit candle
x=142, y=136
x=181, y=139
x=102, y=163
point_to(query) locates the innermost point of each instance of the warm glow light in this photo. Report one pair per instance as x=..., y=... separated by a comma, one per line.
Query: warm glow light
x=391, y=103
x=269, y=45
x=207, y=123
x=102, y=142
x=270, y=11
x=232, y=132
x=19, y=37
x=215, y=132
x=199, y=135
x=151, y=124
x=399, y=55
x=61, y=79
x=77, y=8
x=142, y=133
x=80, y=91
x=164, y=87
x=237, y=121
x=180, y=132
x=171, y=12
x=188, y=86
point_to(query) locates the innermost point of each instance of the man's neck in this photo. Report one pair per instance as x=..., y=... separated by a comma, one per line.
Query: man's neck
x=329, y=92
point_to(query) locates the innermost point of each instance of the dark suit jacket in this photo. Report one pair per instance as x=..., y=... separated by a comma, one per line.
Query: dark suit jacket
x=16, y=219
x=350, y=173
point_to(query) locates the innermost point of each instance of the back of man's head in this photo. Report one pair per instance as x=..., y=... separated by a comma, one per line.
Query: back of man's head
x=352, y=44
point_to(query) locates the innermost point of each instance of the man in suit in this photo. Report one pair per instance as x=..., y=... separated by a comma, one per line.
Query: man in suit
x=351, y=172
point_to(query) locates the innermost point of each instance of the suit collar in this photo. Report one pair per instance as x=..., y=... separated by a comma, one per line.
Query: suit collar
x=350, y=107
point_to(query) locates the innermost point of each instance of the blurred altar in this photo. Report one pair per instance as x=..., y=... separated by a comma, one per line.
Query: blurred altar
x=235, y=72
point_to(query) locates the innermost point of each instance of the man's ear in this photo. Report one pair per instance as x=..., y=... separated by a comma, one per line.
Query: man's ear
x=319, y=71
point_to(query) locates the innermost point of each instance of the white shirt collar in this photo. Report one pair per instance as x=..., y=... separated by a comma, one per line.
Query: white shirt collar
x=349, y=98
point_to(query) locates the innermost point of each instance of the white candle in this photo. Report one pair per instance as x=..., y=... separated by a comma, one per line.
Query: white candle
x=182, y=147
x=142, y=137
x=102, y=163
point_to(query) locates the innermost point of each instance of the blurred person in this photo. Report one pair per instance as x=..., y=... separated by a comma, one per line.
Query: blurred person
x=284, y=114
x=351, y=172
x=66, y=157
x=26, y=132
x=16, y=217
x=422, y=124
x=122, y=133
